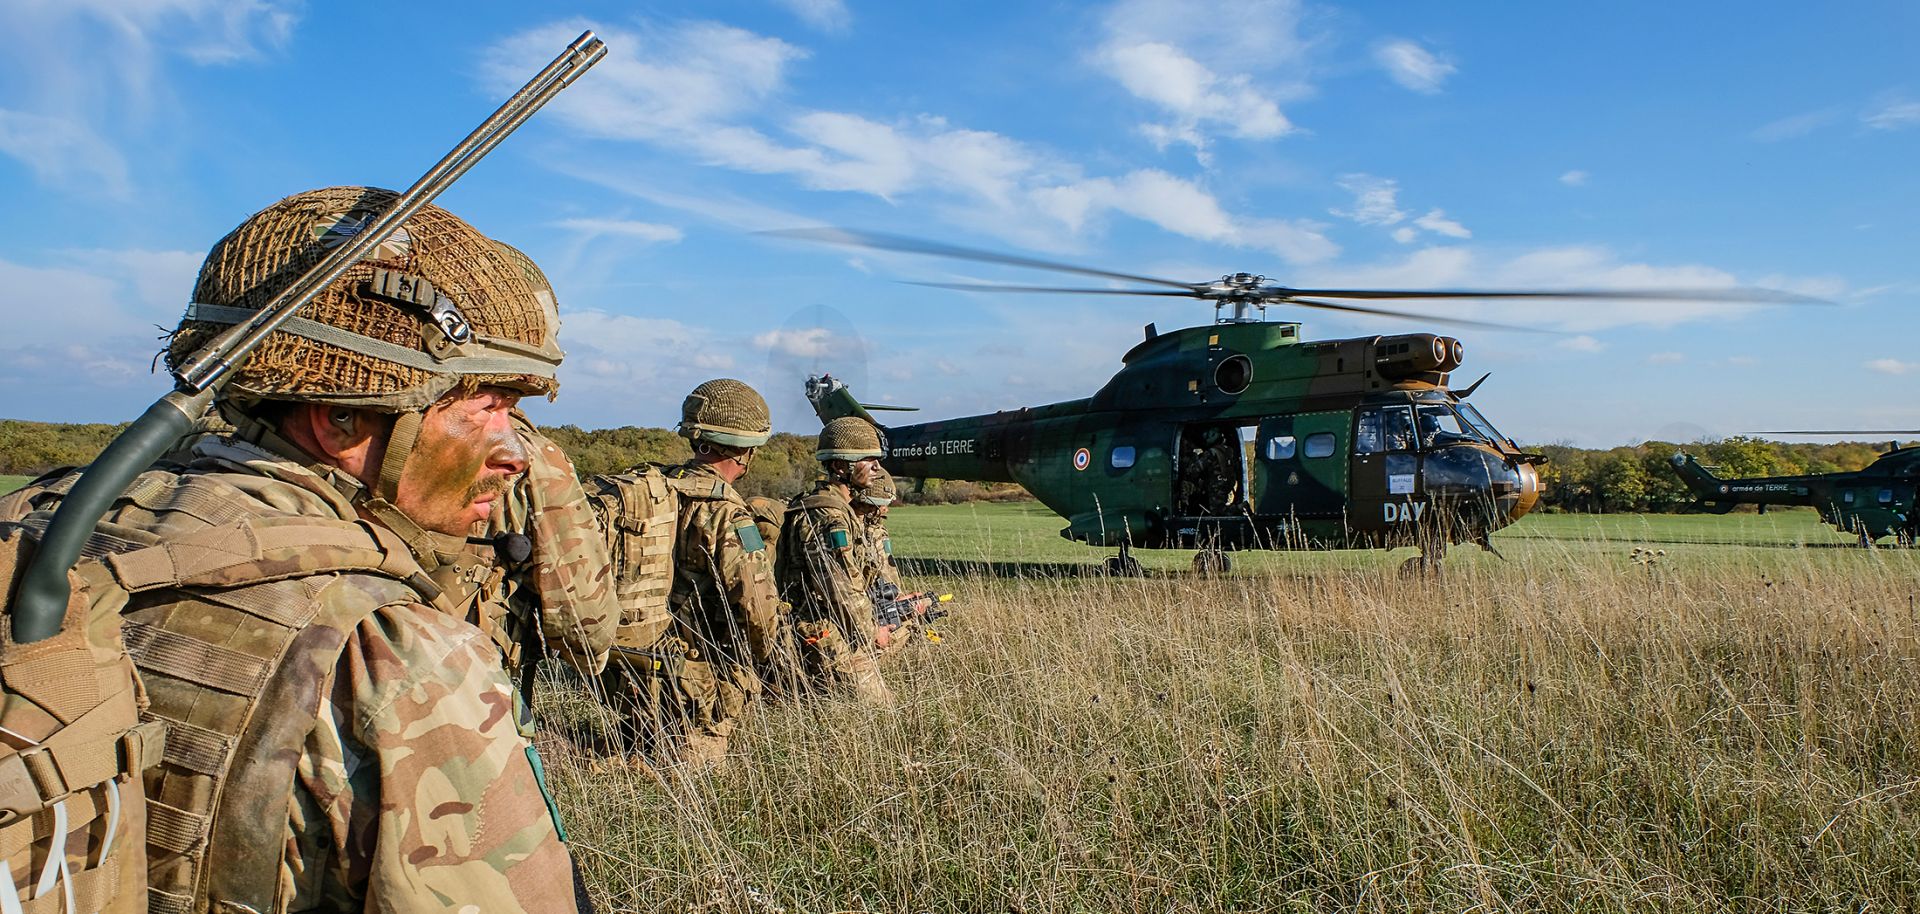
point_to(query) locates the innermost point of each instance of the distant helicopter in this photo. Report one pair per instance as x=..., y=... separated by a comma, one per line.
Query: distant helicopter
x=1881, y=500
x=1241, y=434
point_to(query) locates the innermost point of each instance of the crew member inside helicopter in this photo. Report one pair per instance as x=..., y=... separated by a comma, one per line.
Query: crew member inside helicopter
x=1210, y=475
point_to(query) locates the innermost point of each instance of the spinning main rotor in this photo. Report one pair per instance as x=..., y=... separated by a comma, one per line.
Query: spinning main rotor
x=1247, y=293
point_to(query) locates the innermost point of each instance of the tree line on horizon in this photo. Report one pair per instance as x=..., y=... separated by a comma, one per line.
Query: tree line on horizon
x=1629, y=478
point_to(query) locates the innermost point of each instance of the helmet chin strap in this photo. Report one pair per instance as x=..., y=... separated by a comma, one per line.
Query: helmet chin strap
x=430, y=549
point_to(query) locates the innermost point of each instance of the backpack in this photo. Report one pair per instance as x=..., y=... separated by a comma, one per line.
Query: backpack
x=80, y=744
x=639, y=511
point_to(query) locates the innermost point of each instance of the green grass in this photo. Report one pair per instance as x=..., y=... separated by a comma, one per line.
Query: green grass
x=1728, y=728
x=10, y=483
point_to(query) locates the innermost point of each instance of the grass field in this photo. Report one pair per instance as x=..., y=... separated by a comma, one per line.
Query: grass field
x=1729, y=728
x=10, y=483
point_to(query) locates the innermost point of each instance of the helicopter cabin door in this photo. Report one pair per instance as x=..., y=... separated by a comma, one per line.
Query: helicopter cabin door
x=1385, y=471
x=1296, y=472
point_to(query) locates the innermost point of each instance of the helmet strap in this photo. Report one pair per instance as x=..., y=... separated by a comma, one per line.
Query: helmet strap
x=430, y=549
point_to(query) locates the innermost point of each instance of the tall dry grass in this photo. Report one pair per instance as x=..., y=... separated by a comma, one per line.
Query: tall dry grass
x=1567, y=732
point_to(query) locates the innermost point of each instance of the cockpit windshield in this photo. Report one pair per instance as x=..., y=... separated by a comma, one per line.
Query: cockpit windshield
x=1438, y=425
x=1486, y=428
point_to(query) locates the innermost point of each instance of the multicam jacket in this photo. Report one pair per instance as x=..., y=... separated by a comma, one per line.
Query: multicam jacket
x=337, y=739
x=724, y=599
x=879, y=553
x=566, y=584
x=823, y=569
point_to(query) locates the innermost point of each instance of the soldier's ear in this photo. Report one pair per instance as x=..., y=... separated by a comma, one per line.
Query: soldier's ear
x=337, y=436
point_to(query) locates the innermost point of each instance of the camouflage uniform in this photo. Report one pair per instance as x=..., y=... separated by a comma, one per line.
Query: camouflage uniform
x=408, y=785
x=339, y=737
x=824, y=575
x=565, y=583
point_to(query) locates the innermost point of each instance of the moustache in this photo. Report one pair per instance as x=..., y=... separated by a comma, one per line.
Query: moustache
x=491, y=485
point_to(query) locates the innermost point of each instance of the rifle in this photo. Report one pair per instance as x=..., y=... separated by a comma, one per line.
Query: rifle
x=891, y=607
x=41, y=600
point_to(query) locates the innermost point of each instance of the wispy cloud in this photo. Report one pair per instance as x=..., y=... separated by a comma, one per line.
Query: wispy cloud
x=1581, y=343
x=71, y=111
x=714, y=92
x=1436, y=221
x=1796, y=125
x=825, y=15
x=1666, y=358
x=1892, y=114
x=1254, y=60
x=1375, y=200
x=1574, y=178
x=625, y=228
x=1413, y=66
x=1893, y=367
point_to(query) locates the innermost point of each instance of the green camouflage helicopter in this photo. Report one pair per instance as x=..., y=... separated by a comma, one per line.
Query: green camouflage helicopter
x=1242, y=434
x=1880, y=500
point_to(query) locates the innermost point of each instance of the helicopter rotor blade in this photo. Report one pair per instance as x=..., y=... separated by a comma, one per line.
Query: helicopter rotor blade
x=1429, y=318
x=905, y=245
x=1848, y=431
x=994, y=287
x=1733, y=294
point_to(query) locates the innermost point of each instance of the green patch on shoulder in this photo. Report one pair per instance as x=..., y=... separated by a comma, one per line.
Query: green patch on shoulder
x=750, y=538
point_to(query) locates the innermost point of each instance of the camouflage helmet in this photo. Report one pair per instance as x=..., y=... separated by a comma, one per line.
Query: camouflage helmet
x=728, y=412
x=880, y=492
x=848, y=438
x=435, y=305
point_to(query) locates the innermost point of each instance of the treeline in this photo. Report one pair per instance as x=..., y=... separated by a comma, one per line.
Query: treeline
x=1635, y=478
x=1638, y=478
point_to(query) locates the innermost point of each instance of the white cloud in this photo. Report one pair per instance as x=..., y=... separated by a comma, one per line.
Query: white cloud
x=1582, y=343
x=1795, y=125
x=625, y=228
x=1254, y=60
x=1574, y=178
x=1184, y=208
x=825, y=15
x=1375, y=200
x=1406, y=234
x=1412, y=66
x=1436, y=221
x=64, y=153
x=801, y=343
x=90, y=73
x=1893, y=367
x=1892, y=114
x=1666, y=358
x=97, y=319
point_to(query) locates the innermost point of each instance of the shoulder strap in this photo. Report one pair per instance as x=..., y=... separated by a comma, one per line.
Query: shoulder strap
x=260, y=550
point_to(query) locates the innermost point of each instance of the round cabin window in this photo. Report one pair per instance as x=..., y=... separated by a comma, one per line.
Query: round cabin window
x=1233, y=375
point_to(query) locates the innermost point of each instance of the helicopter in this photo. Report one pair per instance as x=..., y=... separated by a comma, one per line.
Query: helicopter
x=1883, y=499
x=1241, y=433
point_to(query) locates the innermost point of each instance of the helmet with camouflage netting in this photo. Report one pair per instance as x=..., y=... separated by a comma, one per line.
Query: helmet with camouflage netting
x=848, y=438
x=727, y=412
x=434, y=307
x=880, y=492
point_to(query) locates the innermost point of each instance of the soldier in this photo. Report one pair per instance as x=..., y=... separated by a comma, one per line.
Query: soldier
x=692, y=688
x=338, y=735
x=823, y=572
x=870, y=505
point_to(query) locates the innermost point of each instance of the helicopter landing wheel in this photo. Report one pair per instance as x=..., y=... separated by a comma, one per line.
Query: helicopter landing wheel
x=1212, y=562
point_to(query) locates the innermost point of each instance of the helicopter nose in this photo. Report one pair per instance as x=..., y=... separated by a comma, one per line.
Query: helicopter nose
x=1527, y=489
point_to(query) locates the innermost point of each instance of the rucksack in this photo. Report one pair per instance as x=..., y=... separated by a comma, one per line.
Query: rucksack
x=80, y=741
x=639, y=511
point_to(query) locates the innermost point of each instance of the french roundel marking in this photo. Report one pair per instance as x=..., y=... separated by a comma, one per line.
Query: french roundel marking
x=1081, y=458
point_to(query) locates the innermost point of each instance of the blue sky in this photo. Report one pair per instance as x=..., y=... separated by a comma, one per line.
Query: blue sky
x=1384, y=144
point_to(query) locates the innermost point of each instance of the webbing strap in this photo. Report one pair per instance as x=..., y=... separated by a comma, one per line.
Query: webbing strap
x=162, y=651
x=86, y=751
x=197, y=749
x=90, y=889
x=159, y=902
x=381, y=349
x=173, y=829
x=258, y=551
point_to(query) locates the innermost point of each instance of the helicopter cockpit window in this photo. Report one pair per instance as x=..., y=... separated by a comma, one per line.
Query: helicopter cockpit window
x=1886, y=496
x=1320, y=444
x=1122, y=457
x=1397, y=427
x=1366, y=433
x=1438, y=425
x=1280, y=447
x=1480, y=422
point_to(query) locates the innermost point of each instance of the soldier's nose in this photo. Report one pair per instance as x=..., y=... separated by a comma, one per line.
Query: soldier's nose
x=509, y=456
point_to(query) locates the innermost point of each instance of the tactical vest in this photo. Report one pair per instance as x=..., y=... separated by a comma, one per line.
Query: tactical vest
x=209, y=617
x=843, y=538
x=639, y=511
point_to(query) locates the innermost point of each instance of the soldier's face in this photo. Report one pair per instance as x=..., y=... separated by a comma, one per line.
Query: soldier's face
x=466, y=457
x=862, y=472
